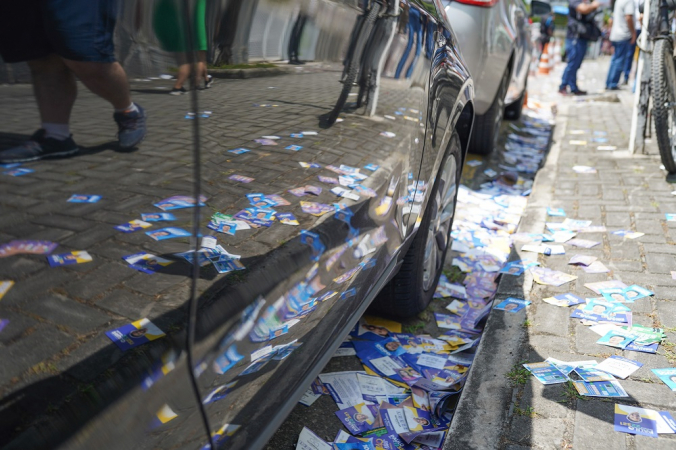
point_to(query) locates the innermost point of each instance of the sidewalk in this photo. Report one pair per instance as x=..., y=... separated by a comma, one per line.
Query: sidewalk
x=627, y=192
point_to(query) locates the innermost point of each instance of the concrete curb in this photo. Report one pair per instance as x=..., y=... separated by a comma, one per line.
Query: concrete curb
x=250, y=73
x=486, y=403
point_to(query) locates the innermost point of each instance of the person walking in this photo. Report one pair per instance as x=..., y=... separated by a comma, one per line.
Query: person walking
x=622, y=37
x=546, y=32
x=61, y=40
x=580, y=31
x=630, y=56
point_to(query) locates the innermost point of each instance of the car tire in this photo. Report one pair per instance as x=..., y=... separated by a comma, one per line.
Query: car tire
x=487, y=126
x=513, y=110
x=412, y=288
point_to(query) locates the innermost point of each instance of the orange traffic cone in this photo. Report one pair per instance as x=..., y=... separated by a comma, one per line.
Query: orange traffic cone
x=544, y=67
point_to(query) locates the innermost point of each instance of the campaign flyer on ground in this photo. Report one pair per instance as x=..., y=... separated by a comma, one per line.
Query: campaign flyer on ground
x=65, y=259
x=146, y=262
x=358, y=418
x=600, y=389
x=634, y=420
x=619, y=366
x=511, y=304
x=668, y=377
x=546, y=373
x=134, y=334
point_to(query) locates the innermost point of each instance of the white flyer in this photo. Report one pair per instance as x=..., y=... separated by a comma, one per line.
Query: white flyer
x=618, y=366
x=307, y=440
x=386, y=365
x=343, y=387
x=434, y=361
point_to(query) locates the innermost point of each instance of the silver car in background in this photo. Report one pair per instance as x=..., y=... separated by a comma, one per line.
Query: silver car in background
x=494, y=37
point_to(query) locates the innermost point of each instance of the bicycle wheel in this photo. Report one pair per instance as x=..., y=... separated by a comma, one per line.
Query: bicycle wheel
x=663, y=84
x=355, y=62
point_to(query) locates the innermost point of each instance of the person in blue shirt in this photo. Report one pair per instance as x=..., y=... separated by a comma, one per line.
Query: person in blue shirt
x=577, y=39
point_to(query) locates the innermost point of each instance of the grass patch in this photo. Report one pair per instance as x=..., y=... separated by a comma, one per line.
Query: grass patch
x=669, y=349
x=454, y=274
x=242, y=66
x=528, y=411
x=518, y=375
x=414, y=328
x=527, y=323
x=570, y=393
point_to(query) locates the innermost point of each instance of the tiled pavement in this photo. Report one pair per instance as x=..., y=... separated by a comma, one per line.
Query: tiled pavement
x=628, y=192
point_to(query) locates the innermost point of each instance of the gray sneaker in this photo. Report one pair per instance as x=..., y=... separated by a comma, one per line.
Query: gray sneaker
x=39, y=147
x=131, y=127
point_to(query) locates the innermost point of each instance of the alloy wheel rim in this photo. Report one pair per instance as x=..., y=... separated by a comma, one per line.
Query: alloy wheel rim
x=439, y=228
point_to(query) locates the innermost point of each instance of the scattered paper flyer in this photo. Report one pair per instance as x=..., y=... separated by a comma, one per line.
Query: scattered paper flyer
x=240, y=178
x=551, y=277
x=584, y=243
x=546, y=373
x=668, y=377
x=80, y=198
x=635, y=420
x=168, y=233
x=564, y=300
x=617, y=338
x=582, y=260
x=628, y=234
x=584, y=169
x=600, y=388
x=179, y=202
x=158, y=217
x=18, y=172
x=307, y=440
x=133, y=225
x=65, y=259
x=134, y=334
x=5, y=286
x=544, y=249
x=146, y=262
x=512, y=304
x=619, y=366
x=556, y=212
x=24, y=246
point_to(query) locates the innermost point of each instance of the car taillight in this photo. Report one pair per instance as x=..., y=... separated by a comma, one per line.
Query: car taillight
x=484, y=3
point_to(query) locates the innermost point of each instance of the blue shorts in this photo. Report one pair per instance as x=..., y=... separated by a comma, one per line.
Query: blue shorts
x=79, y=30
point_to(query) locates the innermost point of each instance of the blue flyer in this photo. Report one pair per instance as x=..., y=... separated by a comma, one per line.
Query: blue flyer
x=668, y=377
x=157, y=217
x=312, y=239
x=239, y=151
x=18, y=172
x=546, y=373
x=80, y=198
x=134, y=334
x=167, y=233
x=634, y=420
x=512, y=304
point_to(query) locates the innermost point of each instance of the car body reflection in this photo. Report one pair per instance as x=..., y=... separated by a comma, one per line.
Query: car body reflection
x=99, y=355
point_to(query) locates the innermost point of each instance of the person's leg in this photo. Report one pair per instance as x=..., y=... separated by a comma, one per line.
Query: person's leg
x=182, y=76
x=580, y=51
x=567, y=72
x=617, y=63
x=54, y=88
x=613, y=64
x=567, y=79
x=629, y=61
x=107, y=80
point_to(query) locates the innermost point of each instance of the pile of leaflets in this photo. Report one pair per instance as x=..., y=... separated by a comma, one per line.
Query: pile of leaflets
x=406, y=394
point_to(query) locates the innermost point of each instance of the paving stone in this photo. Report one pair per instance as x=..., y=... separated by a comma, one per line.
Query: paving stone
x=663, y=442
x=537, y=433
x=551, y=319
x=659, y=263
x=666, y=311
x=594, y=423
x=127, y=304
x=91, y=358
x=69, y=313
x=43, y=343
x=96, y=282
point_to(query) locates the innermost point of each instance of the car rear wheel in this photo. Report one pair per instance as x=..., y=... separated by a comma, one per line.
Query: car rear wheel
x=411, y=290
x=487, y=126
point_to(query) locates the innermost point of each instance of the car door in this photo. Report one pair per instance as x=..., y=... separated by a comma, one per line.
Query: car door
x=265, y=331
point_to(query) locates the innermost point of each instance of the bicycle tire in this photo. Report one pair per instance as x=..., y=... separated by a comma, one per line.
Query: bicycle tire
x=663, y=83
x=355, y=62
